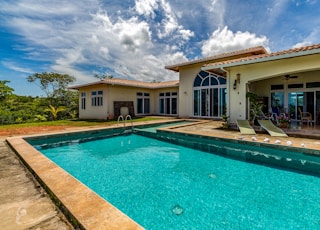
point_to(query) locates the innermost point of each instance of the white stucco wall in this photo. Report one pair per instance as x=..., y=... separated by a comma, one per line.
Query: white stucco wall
x=186, y=79
x=93, y=112
x=113, y=93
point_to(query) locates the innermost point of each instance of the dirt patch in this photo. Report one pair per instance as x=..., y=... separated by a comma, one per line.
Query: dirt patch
x=30, y=130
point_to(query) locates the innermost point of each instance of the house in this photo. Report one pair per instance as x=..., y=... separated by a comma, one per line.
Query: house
x=285, y=81
x=109, y=98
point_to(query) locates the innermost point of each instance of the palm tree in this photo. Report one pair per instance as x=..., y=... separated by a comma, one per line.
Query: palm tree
x=54, y=111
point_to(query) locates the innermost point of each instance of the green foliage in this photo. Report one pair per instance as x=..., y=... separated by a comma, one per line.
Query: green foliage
x=255, y=105
x=54, y=85
x=19, y=120
x=18, y=109
x=39, y=117
x=225, y=120
x=4, y=89
x=73, y=114
x=103, y=76
x=51, y=82
x=54, y=111
x=21, y=109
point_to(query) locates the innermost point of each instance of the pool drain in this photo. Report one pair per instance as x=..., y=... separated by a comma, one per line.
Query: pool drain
x=177, y=209
x=212, y=175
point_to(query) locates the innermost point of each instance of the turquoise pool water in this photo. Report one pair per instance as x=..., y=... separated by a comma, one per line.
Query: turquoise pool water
x=165, y=186
x=153, y=128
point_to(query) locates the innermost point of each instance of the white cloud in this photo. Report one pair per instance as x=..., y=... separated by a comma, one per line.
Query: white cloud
x=80, y=43
x=170, y=25
x=146, y=7
x=14, y=66
x=217, y=8
x=133, y=34
x=278, y=8
x=224, y=40
x=313, y=38
x=48, y=8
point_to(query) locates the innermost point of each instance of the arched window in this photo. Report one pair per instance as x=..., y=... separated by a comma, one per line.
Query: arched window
x=209, y=95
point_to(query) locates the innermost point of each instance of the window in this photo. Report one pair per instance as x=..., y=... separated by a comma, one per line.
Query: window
x=97, y=98
x=277, y=102
x=143, y=103
x=168, y=102
x=209, y=95
x=313, y=85
x=295, y=86
x=277, y=87
x=83, y=100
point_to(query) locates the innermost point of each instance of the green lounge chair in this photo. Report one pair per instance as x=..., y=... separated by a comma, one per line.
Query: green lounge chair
x=245, y=127
x=272, y=129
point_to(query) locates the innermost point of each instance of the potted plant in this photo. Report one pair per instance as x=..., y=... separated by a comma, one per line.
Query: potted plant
x=225, y=123
x=283, y=121
x=255, y=107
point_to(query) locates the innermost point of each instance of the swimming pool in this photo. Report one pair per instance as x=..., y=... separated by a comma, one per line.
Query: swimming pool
x=153, y=128
x=164, y=186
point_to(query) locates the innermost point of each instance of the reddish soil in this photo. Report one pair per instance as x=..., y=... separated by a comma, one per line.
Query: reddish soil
x=30, y=130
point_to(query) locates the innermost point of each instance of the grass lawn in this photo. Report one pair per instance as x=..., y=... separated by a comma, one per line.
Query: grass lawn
x=38, y=127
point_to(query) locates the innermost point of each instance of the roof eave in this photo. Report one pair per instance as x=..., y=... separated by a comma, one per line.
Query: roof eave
x=77, y=87
x=87, y=85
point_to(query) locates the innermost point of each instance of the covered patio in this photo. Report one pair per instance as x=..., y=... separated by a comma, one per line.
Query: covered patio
x=285, y=82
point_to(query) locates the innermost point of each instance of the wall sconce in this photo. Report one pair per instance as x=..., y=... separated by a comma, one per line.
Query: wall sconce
x=235, y=85
x=238, y=78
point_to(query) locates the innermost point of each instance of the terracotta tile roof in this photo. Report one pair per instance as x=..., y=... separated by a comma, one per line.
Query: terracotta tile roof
x=132, y=83
x=221, y=57
x=301, y=51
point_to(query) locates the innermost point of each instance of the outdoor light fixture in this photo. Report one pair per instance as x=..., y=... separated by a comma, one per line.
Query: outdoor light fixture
x=238, y=78
x=235, y=85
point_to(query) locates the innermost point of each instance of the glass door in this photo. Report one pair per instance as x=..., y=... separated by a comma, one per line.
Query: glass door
x=214, y=102
x=204, y=103
x=309, y=104
x=317, y=117
x=295, y=101
x=305, y=101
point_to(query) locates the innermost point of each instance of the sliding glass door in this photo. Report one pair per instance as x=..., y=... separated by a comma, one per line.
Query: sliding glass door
x=305, y=101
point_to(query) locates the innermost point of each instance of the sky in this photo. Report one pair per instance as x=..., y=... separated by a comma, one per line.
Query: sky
x=135, y=39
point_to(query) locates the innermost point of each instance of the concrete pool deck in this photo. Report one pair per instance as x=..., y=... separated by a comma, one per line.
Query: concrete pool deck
x=23, y=203
x=90, y=210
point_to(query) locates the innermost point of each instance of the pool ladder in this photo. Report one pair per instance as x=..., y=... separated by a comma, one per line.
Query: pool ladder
x=124, y=120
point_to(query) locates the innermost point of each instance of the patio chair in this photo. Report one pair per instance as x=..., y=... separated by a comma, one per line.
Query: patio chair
x=245, y=127
x=305, y=117
x=272, y=129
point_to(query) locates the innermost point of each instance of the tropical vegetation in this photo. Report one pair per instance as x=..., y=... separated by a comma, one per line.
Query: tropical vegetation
x=58, y=104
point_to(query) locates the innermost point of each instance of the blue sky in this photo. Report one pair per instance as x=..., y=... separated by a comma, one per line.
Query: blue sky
x=135, y=39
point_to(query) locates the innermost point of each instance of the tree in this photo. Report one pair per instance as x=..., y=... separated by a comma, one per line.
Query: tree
x=53, y=84
x=4, y=89
x=103, y=76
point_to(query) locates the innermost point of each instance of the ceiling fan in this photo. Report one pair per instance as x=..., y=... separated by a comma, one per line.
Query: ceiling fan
x=288, y=77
